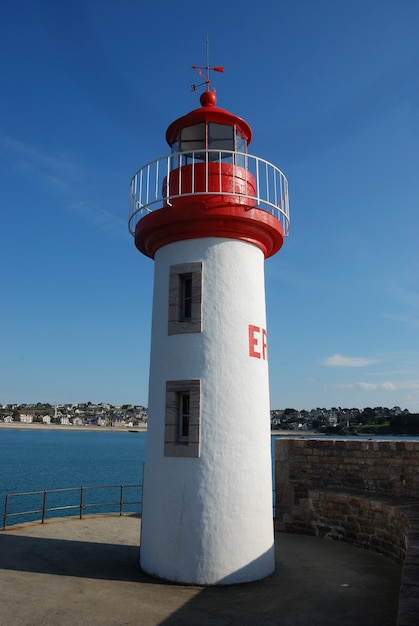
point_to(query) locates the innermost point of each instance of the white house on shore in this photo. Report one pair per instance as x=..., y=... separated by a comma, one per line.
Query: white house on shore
x=25, y=418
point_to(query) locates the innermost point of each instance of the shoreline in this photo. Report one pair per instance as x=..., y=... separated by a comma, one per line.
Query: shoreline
x=123, y=429
x=39, y=426
x=142, y=429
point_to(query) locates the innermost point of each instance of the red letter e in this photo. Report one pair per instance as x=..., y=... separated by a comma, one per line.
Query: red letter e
x=253, y=341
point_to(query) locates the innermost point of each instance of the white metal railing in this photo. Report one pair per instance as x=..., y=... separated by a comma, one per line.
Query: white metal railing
x=258, y=181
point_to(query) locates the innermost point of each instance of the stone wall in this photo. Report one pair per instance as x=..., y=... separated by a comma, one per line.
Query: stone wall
x=374, y=467
x=363, y=492
x=369, y=524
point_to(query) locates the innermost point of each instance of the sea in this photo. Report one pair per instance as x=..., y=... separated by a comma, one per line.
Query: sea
x=50, y=459
x=37, y=460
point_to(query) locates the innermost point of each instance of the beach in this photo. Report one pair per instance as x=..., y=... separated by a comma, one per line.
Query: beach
x=99, y=429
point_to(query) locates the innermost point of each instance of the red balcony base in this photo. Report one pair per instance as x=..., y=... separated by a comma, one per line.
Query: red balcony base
x=208, y=216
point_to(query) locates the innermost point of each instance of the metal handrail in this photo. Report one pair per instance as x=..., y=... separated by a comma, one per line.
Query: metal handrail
x=81, y=507
x=151, y=187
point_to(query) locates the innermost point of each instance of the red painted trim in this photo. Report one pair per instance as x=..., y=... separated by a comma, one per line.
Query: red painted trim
x=195, y=217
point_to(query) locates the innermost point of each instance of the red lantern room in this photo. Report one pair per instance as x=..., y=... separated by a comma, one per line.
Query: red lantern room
x=209, y=186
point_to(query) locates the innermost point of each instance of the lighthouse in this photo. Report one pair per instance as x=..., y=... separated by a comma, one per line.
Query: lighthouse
x=208, y=214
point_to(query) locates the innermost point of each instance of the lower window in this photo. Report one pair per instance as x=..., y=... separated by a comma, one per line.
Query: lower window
x=183, y=417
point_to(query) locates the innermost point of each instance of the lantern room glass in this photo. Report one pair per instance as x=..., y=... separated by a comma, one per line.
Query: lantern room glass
x=209, y=136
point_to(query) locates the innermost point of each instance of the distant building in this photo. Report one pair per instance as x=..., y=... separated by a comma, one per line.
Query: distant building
x=25, y=418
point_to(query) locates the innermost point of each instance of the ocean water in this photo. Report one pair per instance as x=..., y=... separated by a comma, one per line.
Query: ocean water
x=34, y=460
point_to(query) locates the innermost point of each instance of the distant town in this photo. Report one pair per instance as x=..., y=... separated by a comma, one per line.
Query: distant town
x=378, y=420
x=79, y=415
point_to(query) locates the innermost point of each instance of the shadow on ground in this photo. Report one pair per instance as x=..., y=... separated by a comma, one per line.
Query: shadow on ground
x=316, y=582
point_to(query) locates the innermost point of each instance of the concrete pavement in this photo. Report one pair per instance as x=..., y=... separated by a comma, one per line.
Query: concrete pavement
x=76, y=572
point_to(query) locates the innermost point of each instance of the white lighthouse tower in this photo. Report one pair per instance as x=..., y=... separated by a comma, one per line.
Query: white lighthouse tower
x=209, y=214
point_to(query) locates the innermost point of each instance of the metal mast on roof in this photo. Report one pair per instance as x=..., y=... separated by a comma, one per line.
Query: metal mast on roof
x=206, y=77
x=207, y=55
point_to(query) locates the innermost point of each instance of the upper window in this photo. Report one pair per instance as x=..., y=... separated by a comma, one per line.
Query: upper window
x=195, y=139
x=241, y=145
x=185, y=298
x=192, y=138
x=220, y=137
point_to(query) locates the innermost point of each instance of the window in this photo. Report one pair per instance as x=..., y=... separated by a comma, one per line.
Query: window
x=185, y=298
x=241, y=145
x=195, y=139
x=182, y=419
x=220, y=137
x=192, y=138
x=184, y=415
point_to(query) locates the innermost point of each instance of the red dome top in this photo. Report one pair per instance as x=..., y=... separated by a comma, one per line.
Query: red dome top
x=208, y=113
x=208, y=98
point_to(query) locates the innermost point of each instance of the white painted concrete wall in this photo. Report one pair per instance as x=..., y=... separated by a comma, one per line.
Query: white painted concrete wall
x=208, y=520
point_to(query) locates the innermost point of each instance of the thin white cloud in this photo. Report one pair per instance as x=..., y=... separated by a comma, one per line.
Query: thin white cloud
x=408, y=295
x=103, y=219
x=62, y=175
x=339, y=360
x=404, y=296
x=31, y=158
x=367, y=386
x=389, y=386
x=386, y=386
x=408, y=320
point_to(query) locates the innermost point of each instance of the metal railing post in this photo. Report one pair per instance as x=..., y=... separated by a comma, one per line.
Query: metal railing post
x=156, y=184
x=168, y=169
x=257, y=182
x=121, y=499
x=81, y=502
x=5, y=511
x=44, y=506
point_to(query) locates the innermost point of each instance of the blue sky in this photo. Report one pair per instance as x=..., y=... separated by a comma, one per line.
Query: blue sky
x=331, y=90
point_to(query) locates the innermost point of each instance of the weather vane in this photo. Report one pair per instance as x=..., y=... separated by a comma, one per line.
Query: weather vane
x=207, y=69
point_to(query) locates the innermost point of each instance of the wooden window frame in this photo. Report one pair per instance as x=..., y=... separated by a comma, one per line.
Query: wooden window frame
x=175, y=442
x=177, y=323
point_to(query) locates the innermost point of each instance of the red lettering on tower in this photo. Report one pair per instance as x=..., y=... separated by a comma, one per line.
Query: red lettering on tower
x=264, y=345
x=255, y=339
